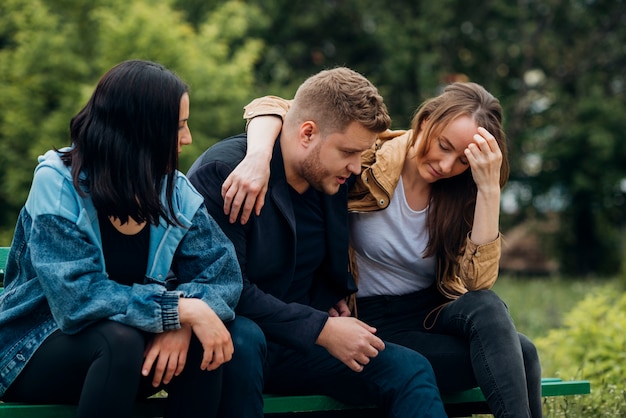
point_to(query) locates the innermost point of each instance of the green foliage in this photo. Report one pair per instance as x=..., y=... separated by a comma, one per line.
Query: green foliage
x=539, y=305
x=52, y=52
x=591, y=345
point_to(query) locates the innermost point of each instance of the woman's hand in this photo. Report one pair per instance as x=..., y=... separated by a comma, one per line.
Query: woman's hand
x=210, y=330
x=245, y=188
x=169, y=350
x=485, y=159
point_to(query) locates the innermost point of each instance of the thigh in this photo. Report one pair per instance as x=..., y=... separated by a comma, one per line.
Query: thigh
x=449, y=356
x=394, y=371
x=290, y=372
x=400, y=320
x=479, y=311
x=58, y=369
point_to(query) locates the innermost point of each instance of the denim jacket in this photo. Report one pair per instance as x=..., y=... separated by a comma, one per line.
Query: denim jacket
x=56, y=276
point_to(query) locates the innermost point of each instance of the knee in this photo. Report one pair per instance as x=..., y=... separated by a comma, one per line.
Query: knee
x=484, y=300
x=531, y=357
x=248, y=340
x=406, y=361
x=485, y=305
x=124, y=344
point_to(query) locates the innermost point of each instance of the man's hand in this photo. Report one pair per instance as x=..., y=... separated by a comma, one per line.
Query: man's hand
x=169, y=350
x=351, y=341
x=340, y=309
x=245, y=188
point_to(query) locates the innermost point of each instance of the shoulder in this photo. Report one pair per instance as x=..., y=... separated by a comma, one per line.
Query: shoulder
x=228, y=152
x=52, y=190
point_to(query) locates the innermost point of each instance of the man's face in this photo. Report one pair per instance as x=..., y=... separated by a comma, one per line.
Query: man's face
x=331, y=161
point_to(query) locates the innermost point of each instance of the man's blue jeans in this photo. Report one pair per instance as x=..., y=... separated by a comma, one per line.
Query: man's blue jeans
x=399, y=380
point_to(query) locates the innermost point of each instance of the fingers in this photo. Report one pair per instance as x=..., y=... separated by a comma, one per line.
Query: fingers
x=377, y=343
x=229, y=193
x=485, y=141
x=182, y=360
x=207, y=358
x=150, y=356
x=165, y=370
x=359, y=361
x=241, y=198
x=369, y=328
x=484, y=149
x=248, y=207
x=213, y=358
x=260, y=201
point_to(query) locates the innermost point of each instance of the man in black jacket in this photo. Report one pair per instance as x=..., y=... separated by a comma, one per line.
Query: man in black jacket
x=294, y=259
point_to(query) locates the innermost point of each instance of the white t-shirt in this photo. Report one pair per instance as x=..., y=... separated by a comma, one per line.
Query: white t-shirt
x=388, y=245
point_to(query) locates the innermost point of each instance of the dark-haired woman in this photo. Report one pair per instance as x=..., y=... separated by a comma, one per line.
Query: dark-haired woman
x=87, y=315
x=424, y=230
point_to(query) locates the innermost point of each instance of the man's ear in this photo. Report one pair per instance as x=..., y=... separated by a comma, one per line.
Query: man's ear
x=308, y=133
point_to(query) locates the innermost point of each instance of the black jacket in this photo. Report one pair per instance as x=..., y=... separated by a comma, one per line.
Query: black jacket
x=266, y=248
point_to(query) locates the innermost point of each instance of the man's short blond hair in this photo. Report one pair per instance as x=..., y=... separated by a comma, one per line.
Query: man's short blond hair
x=337, y=97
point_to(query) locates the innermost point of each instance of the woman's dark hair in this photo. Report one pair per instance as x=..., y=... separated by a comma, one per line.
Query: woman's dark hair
x=452, y=200
x=125, y=142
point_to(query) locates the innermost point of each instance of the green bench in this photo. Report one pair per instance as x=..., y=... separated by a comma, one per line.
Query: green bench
x=458, y=404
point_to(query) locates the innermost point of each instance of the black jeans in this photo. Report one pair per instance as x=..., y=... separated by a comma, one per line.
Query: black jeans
x=470, y=341
x=99, y=369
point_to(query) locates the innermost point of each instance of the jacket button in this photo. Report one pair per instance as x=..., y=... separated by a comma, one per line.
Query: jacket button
x=21, y=357
x=382, y=202
x=367, y=180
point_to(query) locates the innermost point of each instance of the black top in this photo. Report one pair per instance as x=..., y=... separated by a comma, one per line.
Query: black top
x=125, y=256
x=310, y=243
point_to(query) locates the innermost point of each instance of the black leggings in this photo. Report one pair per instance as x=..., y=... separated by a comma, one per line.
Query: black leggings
x=100, y=370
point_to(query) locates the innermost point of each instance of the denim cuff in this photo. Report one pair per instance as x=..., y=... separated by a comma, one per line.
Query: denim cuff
x=169, y=310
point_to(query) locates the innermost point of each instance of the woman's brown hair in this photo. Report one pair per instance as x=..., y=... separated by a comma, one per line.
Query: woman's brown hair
x=452, y=200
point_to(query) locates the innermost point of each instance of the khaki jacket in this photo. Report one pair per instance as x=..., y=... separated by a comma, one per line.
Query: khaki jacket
x=381, y=167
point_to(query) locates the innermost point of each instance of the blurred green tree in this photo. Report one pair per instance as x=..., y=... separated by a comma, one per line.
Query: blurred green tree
x=52, y=52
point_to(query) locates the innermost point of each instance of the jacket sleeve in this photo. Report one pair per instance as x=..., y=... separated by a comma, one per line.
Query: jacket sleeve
x=480, y=264
x=477, y=269
x=206, y=267
x=79, y=293
x=265, y=106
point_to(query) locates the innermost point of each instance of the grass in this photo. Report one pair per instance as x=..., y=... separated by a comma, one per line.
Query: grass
x=538, y=305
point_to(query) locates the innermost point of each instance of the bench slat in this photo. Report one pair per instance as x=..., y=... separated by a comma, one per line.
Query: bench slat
x=472, y=401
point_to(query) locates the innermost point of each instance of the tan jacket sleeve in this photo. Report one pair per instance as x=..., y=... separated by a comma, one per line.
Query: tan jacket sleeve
x=265, y=106
x=479, y=264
